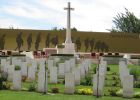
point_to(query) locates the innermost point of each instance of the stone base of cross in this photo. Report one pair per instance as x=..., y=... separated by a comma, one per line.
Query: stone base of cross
x=69, y=48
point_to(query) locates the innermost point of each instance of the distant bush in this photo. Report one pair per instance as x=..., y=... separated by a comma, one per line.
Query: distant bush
x=55, y=90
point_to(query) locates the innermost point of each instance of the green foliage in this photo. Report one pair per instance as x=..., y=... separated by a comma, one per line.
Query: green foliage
x=108, y=68
x=137, y=94
x=87, y=81
x=55, y=90
x=6, y=85
x=17, y=67
x=126, y=22
x=3, y=84
x=119, y=93
x=32, y=87
x=84, y=91
x=94, y=69
x=4, y=76
x=112, y=91
x=135, y=72
x=137, y=84
x=114, y=77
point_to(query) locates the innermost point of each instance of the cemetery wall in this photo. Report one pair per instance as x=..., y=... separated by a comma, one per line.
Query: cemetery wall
x=84, y=41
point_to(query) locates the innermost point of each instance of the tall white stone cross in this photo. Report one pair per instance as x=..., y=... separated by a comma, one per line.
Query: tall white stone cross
x=68, y=31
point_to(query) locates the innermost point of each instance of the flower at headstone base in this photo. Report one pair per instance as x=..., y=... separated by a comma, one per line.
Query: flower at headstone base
x=85, y=91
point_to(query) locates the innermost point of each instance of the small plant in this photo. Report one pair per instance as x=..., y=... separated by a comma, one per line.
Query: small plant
x=4, y=76
x=3, y=84
x=137, y=84
x=32, y=87
x=135, y=72
x=94, y=69
x=137, y=94
x=87, y=81
x=17, y=67
x=114, y=73
x=114, y=78
x=6, y=85
x=108, y=68
x=112, y=91
x=84, y=91
x=119, y=93
x=55, y=90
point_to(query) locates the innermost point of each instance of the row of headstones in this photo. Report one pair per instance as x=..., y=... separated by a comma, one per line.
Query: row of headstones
x=69, y=66
x=99, y=78
x=9, y=67
x=75, y=73
x=71, y=74
x=126, y=80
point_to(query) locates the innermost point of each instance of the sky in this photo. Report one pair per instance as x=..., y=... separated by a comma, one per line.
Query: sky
x=89, y=15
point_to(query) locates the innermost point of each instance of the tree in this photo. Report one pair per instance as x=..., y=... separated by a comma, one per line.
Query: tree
x=126, y=22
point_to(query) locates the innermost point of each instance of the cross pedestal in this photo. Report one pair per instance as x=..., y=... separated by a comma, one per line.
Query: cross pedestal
x=69, y=48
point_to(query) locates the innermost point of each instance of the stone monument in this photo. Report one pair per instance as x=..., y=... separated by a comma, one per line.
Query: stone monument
x=69, y=46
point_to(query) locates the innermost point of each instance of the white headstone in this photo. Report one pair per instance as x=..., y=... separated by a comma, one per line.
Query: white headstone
x=3, y=61
x=53, y=75
x=72, y=62
x=82, y=71
x=5, y=67
x=67, y=66
x=17, y=80
x=31, y=73
x=77, y=77
x=42, y=85
x=98, y=84
x=50, y=64
x=61, y=70
x=24, y=69
x=11, y=71
x=34, y=64
x=69, y=83
x=128, y=86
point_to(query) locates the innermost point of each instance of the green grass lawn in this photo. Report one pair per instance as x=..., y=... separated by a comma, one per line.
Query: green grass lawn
x=22, y=95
